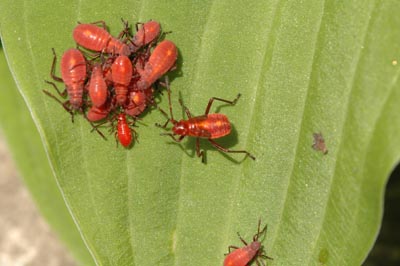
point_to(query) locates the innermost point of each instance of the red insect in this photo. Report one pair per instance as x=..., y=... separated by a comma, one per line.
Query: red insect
x=123, y=131
x=73, y=74
x=139, y=100
x=98, y=39
x=250, y=252
x=97, y=86
x=145, y=35
x=161, y=60
x=98, y=113
x=121, y=71
x=207, y=126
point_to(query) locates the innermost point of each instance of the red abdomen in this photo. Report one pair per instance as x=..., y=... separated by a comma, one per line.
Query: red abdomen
x=149, y=31
x=73, y=73
x=97, y=87
x=160, y=61
x=239, y=257
x=121, y=71
x=97, y=113
x=123, y=131
x=212, y=126
x=98, y=39
x=91, y=37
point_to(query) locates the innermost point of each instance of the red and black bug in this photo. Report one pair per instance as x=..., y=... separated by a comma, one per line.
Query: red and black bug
x=73, y=74
x=161, y=60
x=98, y=39
x=145, y=35
x=207, y=126
x=121, y=71
x=250, y=252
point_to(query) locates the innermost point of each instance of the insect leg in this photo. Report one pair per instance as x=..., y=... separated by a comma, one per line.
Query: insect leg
x=210, y=102
x=169, y=97
x=265, y=257
x=219, y=147
x=264, y=230
x=63, y=104
x=198, y=152
x=53, y=67
x=125, y=31
x=230, y=249
x=93, y=126
x=101, y=22
x=241, y=239
x=62, y=94
x=189, y=115
x=173, y=137
x=166, y=123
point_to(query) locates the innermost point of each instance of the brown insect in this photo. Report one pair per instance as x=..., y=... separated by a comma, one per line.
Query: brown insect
x=319, y=143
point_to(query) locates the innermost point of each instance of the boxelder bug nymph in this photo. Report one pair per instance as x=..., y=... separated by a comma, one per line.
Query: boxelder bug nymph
x=145, y=35
x=139, y=100
x=161, y=60
x=73, y=74
x=123, y=130
x=98, y=39
x=121, y=71
x=207, y=126
x=250, y=252
x=98, y=91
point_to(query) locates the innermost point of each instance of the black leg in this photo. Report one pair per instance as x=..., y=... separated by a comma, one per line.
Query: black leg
x=241, y=239
x=230, y=248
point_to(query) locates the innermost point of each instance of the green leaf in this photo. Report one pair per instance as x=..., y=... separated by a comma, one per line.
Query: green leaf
x=302, y=68
x=16, y=123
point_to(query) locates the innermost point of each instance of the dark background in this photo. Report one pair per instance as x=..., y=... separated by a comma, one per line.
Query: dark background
x=386, y=251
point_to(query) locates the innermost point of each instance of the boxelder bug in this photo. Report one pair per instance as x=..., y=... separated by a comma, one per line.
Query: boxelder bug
x=250, y=252
x=207, y=126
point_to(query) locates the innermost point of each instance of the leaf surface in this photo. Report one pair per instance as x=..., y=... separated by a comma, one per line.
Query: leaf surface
x=301, y=67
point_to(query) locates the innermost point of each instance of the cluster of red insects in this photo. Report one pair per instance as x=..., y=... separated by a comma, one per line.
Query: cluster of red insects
x=107, y=79
x=118, y=78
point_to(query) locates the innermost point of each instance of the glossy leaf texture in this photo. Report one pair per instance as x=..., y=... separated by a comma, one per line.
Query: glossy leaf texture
x=302, y=68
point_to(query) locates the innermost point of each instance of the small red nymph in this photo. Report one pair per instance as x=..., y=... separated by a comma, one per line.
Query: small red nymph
x=123, y=130
x=73, y=74
x=139, y=100
x=250, y=252
x=98, y=39
x=145, y=35
x=121, y=71
x=97, y=86
x=161, y=60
